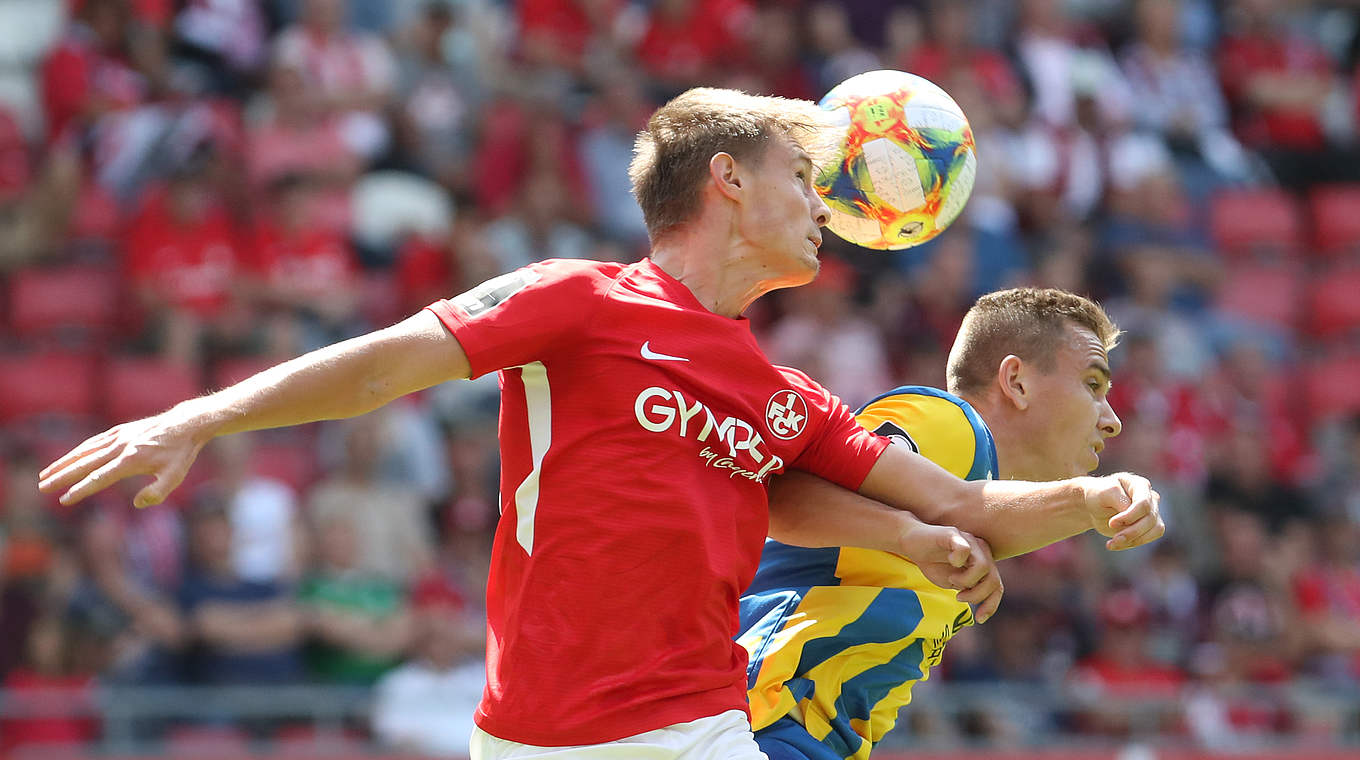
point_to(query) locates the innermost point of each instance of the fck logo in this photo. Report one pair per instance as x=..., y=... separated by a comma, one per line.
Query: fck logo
x=786, y=414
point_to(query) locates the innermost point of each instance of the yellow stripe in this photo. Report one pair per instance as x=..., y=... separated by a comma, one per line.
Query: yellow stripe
x=939, y=427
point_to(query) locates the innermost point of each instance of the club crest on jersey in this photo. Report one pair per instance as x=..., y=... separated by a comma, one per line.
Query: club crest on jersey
x=494, y=292
x=896, y=435
x=786, y=414
x=734, y=445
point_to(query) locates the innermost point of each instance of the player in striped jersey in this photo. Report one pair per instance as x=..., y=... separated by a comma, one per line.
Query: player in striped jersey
x=837, y=636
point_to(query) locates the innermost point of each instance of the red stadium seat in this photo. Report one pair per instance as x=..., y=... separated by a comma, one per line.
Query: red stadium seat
x=1334, y=302
x=135, y=388
x=1335, y=212
x=39, y=384
x=1332, y=387
x=1267, y=294
x=1244, y=223
x=44, y=301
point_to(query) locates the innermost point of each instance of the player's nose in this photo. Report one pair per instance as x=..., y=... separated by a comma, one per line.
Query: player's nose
x=820, y=211
x=1110, y=426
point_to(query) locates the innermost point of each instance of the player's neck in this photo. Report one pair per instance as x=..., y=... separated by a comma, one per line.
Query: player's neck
x=722, y=279
x=1011, y=440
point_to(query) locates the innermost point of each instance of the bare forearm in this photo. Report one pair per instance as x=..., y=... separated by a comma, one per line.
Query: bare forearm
x=1015, y=517
x=808, y=511
x=343, y=380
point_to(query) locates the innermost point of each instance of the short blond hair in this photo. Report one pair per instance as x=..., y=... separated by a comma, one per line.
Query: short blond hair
x=1028, y=322
x=671, y=156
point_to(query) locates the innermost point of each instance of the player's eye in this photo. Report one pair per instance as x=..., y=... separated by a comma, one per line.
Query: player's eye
x=802, y=175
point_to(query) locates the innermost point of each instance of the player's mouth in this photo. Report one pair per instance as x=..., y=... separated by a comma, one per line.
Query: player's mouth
x=816, y=241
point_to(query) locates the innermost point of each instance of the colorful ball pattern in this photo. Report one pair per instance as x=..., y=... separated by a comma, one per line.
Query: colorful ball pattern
x=905, y=167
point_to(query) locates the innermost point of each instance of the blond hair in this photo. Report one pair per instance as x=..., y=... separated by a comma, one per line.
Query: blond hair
x=671, y=156
x=1028, y=322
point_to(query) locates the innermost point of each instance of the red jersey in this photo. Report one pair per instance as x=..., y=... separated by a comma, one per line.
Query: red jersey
x=638, y=434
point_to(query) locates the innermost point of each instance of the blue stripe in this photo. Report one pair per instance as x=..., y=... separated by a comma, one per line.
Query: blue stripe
x=893, y=614
x=784, y=566
x=871, y=686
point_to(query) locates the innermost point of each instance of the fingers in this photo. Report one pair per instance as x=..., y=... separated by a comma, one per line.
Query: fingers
x=985, y=596
x=1141, y=523
x=89, y=445
x=78, y=467
x=959, y=550
x=110, y=473
x=980, y=562
x=160, y=488
x=1141, y=533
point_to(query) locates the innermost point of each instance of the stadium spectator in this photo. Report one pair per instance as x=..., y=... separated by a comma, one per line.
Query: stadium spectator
x=440, y=88
x=425, y=705
x=1178, y=94
x=823, y=333
x=360, y=623
x=351, y=76
x=388, y=518
x=950, y=53
x=1123, y=671
x=292, y=134
x=1327, y=595
x=1277, y=83
x=131, y=562
x=268, y=540
x=92, y=71
x=838, y=54
x=302, y=273
x=183, y=261
x=685, y=42
x=239, y=631
x=57, y=678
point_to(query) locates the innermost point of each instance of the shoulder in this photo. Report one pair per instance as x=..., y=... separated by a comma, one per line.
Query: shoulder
x=936, y=424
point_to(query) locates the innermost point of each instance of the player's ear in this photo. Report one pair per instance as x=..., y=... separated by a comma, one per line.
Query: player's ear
x=1012, y=378
x=726, y=174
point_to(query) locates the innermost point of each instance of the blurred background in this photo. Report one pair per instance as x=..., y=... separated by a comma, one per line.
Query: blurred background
x=192, y=190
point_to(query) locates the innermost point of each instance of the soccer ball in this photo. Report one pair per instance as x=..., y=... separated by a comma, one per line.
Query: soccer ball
x=905, y=165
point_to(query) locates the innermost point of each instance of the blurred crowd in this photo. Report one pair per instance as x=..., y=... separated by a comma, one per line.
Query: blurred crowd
x=191, y=190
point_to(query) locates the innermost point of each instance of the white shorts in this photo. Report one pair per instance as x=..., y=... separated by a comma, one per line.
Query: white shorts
x=720, y=737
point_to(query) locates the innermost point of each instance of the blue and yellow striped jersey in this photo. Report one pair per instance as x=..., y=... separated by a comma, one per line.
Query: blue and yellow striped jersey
x=838, y=636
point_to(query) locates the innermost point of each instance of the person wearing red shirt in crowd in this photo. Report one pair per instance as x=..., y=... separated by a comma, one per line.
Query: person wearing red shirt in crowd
x=558, y=33
x=183, y=261
x=949, y=51
x=685, y=40
x=1122, y=670
x=1327, y=595
x=304, y=273
x=57, y=673
x=1277, y=84
x=641, y=431
x=91, y=71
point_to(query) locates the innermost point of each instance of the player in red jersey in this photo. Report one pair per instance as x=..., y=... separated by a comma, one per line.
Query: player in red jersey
x=640, y=428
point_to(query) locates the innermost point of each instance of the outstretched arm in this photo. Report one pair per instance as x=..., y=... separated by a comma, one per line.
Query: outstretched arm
x=343, y=380
x=1014, y=517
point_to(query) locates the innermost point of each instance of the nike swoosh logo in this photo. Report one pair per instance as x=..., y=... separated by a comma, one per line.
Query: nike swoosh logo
x=648, y=353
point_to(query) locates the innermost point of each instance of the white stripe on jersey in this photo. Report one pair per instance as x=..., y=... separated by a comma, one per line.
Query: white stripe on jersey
x=538, y=402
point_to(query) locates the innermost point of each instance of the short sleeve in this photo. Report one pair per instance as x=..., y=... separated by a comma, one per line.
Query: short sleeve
x=524, y=315
x=840, y=450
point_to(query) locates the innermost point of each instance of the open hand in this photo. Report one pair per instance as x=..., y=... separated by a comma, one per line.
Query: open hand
x=161, y=446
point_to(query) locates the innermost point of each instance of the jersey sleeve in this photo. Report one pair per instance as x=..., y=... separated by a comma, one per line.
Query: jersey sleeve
x=524, y=315
x=937, y=425
x=840, y=450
